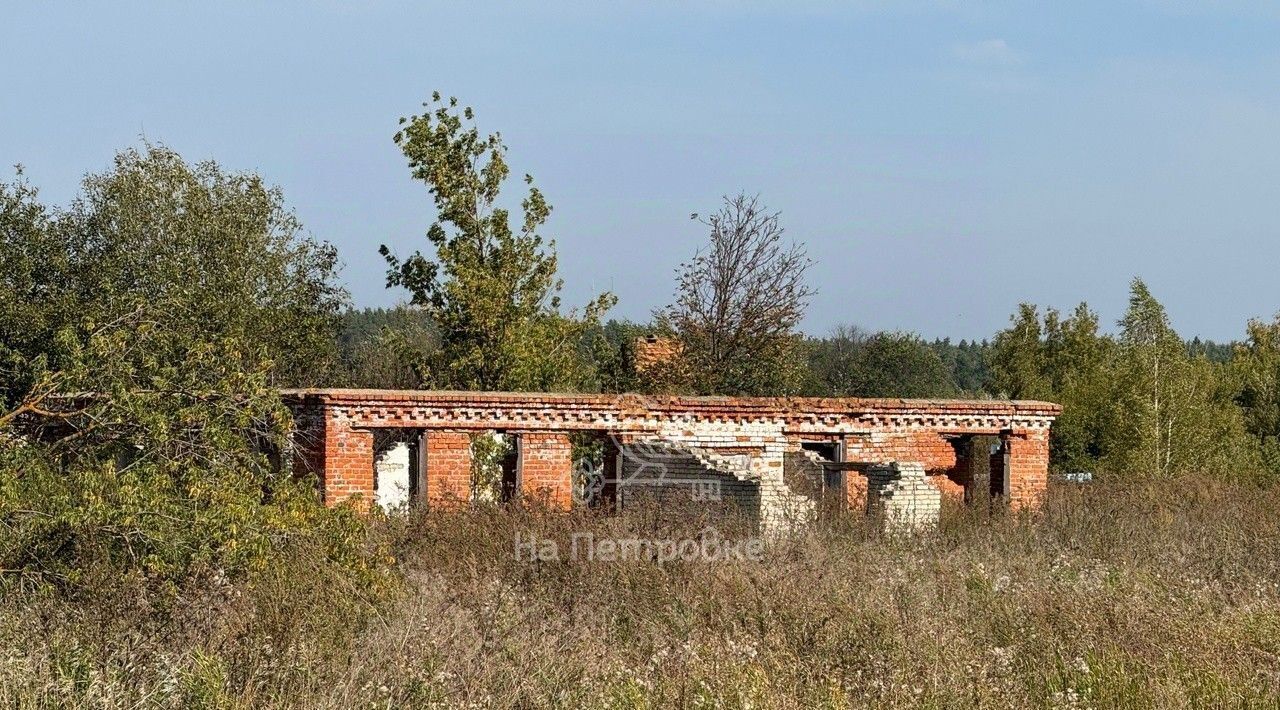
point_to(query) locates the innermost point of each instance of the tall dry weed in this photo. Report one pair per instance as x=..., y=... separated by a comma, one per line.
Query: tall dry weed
x=1138, y=594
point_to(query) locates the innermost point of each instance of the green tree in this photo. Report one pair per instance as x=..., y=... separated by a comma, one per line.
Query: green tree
x=385, y=348
x=1139, y=404
x=613, y=350
x=144, y=332
x=850, y=363
x=1256, y=367
x=1079, y=365
x=1179, y=413
x=1018, y=365
x=490, y=289
x=1062, y=360
x=967, y=362
x=1158, y=365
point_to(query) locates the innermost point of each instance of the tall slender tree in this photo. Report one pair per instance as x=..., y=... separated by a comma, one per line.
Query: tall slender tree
x=1018, y=357
x=490, y=287
x=1158, y=359
x=1179, y=413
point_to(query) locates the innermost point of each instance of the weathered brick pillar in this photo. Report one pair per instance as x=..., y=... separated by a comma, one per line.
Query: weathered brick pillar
x=1028, y=467
x=900, y=494
x=855, y=482
x=348, y=464
x=546, y=468
x=448, y=468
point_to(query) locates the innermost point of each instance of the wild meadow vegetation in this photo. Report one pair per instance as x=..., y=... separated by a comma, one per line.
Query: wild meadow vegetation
x=156, y=549
x=1118, y=595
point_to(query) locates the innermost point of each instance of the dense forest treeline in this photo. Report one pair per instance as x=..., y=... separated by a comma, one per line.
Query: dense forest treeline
x=1218, y=407
x=372, y=352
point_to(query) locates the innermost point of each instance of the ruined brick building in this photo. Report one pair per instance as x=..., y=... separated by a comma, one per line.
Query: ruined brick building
x=776, y=457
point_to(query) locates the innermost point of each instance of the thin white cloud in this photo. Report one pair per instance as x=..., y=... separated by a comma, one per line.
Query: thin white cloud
x=990, y=52
x=1266, y=9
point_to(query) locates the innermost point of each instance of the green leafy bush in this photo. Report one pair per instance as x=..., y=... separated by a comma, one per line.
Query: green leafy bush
x=145, y=331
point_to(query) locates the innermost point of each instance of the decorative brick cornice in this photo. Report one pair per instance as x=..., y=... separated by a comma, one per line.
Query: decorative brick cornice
x=642, y=413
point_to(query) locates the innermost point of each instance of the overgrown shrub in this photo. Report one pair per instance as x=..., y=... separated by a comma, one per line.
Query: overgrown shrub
x=144, y=332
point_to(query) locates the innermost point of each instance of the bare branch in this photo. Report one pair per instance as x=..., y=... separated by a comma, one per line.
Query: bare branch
x=739, y=301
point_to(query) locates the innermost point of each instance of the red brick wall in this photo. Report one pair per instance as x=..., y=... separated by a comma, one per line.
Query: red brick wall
x=1028, y=468
x=546, y=468
x=927, y=447
x=448, y=468
x=930, y=448
x=949, y=484
x=348, y=464
x=655, y=350
x=336, y=443
x=855, y=490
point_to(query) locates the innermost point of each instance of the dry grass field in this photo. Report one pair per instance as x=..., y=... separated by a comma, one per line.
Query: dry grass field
x=1141, y=595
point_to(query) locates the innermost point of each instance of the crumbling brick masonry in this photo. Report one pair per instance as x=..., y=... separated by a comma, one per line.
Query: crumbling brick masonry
x=770, y=454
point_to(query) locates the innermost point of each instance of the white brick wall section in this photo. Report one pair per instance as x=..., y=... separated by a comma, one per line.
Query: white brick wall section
x=779, y=507
x=899, y=493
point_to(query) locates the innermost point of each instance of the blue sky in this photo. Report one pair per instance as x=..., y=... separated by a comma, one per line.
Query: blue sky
x=942, y=161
